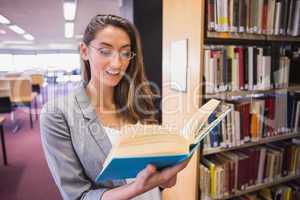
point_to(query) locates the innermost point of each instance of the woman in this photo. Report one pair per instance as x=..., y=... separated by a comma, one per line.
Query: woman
x=79, y=130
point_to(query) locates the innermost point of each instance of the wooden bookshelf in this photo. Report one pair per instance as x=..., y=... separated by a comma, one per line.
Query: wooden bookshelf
x=259, y=187
x=176, y=14
x=266, y=140
x=232, y=95
x=258, y=40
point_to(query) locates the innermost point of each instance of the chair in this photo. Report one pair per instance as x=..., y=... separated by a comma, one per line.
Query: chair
x=2, y=119
x=37, y=81
x=4, y=87
x=6, y=106
x=22, y=95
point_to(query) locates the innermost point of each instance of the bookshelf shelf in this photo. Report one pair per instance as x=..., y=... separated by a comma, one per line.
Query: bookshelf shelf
x=232, y=95
x=248, y=38
x=283, y=38
x=234, y=39
x=250, y=144
x=260, y=186
x=236, y=36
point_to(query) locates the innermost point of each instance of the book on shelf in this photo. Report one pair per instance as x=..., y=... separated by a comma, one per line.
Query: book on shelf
x=271, y=17
x=236, y=171
x=252, y=120
x=162, y=146
x=295, y=70
x=251, y=68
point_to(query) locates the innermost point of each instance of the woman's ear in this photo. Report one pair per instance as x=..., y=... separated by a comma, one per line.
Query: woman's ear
x=83, y=51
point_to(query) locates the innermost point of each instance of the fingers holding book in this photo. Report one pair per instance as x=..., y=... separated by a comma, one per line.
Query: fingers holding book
x=170, y=171
x=150, y=177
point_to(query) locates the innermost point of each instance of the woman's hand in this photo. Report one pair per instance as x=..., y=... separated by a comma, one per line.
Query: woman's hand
x=146, y=180
x=150, y=177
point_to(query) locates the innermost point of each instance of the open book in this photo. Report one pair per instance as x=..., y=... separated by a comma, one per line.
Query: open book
x=140, y=145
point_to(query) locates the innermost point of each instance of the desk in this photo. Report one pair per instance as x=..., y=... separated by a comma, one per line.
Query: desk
x=2, y=119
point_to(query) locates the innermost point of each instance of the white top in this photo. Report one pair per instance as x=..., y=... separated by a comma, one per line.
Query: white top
x=154, y=194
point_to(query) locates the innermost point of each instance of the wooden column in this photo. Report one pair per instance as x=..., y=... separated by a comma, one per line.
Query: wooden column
x=183, y=19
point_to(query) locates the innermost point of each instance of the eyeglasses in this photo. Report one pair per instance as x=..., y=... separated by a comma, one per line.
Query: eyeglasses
x=108, y=53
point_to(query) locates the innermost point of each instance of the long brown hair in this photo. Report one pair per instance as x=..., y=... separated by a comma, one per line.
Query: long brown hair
x=134, y=85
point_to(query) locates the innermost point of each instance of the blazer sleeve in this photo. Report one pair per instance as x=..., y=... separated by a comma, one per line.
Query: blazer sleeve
x=61, y=157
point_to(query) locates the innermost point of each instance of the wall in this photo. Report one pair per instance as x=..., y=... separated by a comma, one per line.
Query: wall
x=148, y=19
x=126, y=9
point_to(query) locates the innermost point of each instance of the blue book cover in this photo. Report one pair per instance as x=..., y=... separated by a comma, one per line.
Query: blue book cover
x=122, y=166
x=214, y=135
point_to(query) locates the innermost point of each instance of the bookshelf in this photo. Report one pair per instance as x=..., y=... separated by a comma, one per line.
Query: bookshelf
x=187, y=19
x=270, y=37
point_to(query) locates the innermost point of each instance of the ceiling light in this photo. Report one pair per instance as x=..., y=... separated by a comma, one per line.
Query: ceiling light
x=16, y=29
x=70, y=10
x=4, y=20
x=2, y=32
x=28, y=36
x=120, y=2
x=78, y=36
x=62, y=46
x=69, y=29
x=17, y=42
x=22, y=47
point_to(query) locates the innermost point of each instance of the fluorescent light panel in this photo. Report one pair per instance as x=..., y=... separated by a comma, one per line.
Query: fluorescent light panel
x=16, y=29
x=78, y=36
x=69, y=29
x=2, y=32
x=120, y=2
x=28, y=36
x=4, y=20
x=16, y=42
x=70, y=10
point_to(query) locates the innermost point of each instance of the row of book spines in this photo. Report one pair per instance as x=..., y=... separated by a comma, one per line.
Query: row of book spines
x=287, y=191
x=257, y=119
x=231, y=172
x=251, y=121
x=253, y=16
x=245, y=68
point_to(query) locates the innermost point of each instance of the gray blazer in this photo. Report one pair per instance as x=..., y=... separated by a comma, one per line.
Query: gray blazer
x=75, y=145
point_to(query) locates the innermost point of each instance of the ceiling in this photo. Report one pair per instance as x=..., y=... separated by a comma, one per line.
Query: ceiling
x=45, y=21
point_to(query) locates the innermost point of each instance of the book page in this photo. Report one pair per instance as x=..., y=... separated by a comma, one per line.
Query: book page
x=145, y=140
x=198, y=120
x=141, y=130
x=221, y=113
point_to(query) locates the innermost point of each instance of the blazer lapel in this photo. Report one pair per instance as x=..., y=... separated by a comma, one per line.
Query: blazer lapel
x=93, y=123
x=94, y=127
